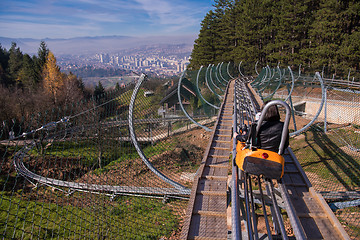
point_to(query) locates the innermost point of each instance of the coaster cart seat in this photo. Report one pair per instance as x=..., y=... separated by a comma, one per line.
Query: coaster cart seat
x=257, y=161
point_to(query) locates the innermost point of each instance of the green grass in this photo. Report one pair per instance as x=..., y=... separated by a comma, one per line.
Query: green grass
x=88, y=150
x=143, y=105
x=335, y=169
x=349, y=135
x=113, y=152
x=125, y=218
x=346, y=218
x=321, y=154
x=148, y=150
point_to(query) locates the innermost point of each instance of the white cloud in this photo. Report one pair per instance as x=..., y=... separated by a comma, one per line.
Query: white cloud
x=69, y=18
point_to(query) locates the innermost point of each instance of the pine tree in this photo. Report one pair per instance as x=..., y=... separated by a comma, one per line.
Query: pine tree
x=99, y=91
x=117, y=87
x=325, y=35
x=40, y=60
x=349, y=52
x=27, y=77
x=204, y=47
x=250, y=22
x=4, y=59
x=14, y=63
x=43, y=52
x=224, y=30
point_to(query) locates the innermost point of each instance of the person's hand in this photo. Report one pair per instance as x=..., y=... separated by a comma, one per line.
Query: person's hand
x=235, y=134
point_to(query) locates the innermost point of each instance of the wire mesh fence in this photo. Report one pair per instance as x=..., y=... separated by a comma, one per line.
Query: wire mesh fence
x=328, y=150
x=74, y=173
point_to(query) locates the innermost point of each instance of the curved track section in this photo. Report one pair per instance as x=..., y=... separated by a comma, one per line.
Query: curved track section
x=228, y=72
x=76, y=186
x=239, y=69
x=226, y=81
x=211, y=80
x=201, y=96
x=182, y=106
x=207, y=82
x=319, y=109
x=262, y=83
x=111, y=190
x=217, y=71
x=138, y=148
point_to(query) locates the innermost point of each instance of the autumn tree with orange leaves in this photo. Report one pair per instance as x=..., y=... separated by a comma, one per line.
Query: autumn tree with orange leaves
x=53, y=79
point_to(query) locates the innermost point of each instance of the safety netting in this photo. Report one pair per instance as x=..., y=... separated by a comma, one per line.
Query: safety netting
x=75, y=172
x=121, y=165
x=325, y=130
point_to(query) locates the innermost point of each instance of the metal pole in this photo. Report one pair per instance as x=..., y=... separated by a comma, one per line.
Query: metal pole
x=277, y=211
x=235, y=211
x=325, y=110
x=248, y=215
x=264, y=210
x=292, y=108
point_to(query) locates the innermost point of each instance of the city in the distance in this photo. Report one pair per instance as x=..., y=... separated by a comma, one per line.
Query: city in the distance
x=163, y=56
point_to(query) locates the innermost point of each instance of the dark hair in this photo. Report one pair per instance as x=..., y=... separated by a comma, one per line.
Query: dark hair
x=272, y=114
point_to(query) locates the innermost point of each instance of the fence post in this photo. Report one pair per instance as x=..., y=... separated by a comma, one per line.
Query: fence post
x=325, y=109
x=292, y=108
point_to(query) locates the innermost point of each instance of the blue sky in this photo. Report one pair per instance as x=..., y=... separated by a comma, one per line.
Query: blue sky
x=76, y=18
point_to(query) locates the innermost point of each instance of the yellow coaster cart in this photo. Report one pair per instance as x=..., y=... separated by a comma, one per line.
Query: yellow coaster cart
x=256, y=161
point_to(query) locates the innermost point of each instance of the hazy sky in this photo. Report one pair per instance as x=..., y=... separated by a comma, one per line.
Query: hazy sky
x=75, y=18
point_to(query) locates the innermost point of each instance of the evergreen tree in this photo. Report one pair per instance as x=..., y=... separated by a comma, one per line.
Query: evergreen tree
x=117, y=87
x=250, y=22
x=27, y=77
x=349, y=52
x=99, y=91
x=225, y=30
x=315, y=33
x=43, y=52
x=325, y=35
x=14, y=63
x=4, y=59
x=204, y=47
x=40, y=60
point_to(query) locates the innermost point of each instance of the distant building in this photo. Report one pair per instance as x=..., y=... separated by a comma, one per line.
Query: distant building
x=171, y=103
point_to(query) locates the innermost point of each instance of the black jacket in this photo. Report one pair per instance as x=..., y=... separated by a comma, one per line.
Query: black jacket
x=269, y=136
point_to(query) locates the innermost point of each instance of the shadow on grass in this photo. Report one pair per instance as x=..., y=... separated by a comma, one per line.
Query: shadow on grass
x=343, y=167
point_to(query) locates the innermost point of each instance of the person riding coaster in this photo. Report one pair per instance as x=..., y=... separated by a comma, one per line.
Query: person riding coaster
x=261, y=152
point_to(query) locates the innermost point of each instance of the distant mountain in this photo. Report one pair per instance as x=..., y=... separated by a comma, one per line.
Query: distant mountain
x=91, y=45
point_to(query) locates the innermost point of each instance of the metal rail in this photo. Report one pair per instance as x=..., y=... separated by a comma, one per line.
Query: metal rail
x=216, y=74
x=36, y=180
x=182, y=106
x=309, y=214
x=177, y=185
x=212, y=80
x=201, y=96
